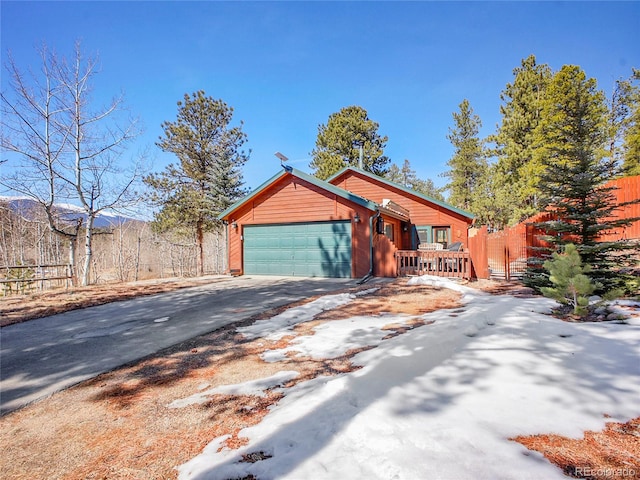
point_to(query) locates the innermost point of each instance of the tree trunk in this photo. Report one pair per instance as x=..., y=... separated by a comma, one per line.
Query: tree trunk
x=200, y=240
x=72, y=260
x=88, y=238
x=137, y=259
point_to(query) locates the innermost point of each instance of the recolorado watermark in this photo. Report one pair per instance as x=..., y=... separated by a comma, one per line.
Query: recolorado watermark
x=587, y=472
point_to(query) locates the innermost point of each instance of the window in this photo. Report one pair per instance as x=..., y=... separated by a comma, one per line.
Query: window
x=441, y=235
x=388, y=231
x=424, y=234
x=428, y=236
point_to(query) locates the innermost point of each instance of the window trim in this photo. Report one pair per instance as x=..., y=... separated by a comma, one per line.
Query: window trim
x=431, y=234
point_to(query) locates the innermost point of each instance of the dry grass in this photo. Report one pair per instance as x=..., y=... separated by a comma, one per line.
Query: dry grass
x=119, y=425
x=612, y=453
x=513, y=288
x=397, y=297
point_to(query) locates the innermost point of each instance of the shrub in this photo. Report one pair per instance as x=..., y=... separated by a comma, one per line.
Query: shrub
x=571, y=285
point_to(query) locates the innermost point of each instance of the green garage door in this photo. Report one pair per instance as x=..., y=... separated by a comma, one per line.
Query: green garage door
x=319, y=249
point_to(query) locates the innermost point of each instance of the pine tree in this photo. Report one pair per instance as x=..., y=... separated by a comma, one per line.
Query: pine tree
x=572, y=137
x=630, y=124
x=468, y=164
x=428, y=187
x=492, y=204
x=571, y=284
x=208, y=177
x=404, y=176
x=407, y=177
x=517, y=174
x=338, y=144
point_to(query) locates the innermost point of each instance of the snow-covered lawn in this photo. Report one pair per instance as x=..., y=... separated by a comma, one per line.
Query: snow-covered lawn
x=440, y=401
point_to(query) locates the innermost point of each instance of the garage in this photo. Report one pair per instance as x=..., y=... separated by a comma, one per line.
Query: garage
x=310, y=249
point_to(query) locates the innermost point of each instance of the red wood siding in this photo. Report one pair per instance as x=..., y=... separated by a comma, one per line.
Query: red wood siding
x=384, y=249
x=628, y=190
x=384, y=257
x=293, y=200
x=361, y=251
x=422, y=212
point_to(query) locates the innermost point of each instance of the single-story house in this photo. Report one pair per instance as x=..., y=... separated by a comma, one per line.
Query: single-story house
x=351, y=225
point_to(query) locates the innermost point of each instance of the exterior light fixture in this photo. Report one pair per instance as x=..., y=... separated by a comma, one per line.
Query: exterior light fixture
x=234, y=224
x=356, y=218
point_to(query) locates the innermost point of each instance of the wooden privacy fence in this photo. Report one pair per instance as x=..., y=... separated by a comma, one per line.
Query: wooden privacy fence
x=507, y=252
x=504, y=254
x=441, y=263
x=628, y=190
x=21, y=279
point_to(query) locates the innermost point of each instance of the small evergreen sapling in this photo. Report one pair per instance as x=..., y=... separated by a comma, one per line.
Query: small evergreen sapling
x=571, y=285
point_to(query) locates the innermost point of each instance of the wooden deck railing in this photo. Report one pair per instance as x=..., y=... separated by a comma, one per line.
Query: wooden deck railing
x=441, y=263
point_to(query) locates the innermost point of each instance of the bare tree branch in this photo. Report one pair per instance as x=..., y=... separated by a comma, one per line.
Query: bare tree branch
x=67, y=151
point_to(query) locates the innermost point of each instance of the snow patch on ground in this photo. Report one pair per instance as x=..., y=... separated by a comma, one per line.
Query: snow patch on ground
x=441, y=282
x=282, y=324
x=442, y=400
x=252, y=387
x=334, y=339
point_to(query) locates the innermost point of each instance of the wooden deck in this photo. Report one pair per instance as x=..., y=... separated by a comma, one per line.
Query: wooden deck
x=441, y=263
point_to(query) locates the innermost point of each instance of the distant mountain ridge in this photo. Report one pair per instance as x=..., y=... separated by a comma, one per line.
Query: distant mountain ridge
x=67, y=212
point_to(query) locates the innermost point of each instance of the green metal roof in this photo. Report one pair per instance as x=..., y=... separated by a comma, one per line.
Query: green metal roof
x=303, y=176
x=404, y=189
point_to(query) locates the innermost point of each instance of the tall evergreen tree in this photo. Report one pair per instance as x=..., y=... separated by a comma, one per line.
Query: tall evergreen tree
x=517, y=173
x=407, y=177
x=492, y=204
x=468, y=164
x=572, y=135
x=629, y=124
x=337, y=144
x=208, y=177
x=404, y=175
x=619, y=117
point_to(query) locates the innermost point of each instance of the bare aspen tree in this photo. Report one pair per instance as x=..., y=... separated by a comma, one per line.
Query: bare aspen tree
x=31, y=130
x=64, y=149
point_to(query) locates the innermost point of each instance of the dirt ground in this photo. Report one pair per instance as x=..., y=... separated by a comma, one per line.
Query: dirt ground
x=19, y=308
x=119, y=425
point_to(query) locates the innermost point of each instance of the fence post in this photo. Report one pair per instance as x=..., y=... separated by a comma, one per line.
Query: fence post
x=507, y=261
x=478, y=238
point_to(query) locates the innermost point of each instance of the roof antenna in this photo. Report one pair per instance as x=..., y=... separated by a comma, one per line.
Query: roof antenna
x=283, y=159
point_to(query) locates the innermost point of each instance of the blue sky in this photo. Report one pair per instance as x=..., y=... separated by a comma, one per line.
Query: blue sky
x=286, y=66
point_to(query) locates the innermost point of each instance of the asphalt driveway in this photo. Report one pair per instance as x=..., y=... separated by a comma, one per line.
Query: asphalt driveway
x=42, y=356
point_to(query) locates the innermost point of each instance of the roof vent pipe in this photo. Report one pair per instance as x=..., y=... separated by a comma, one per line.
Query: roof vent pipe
x=359, y=144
